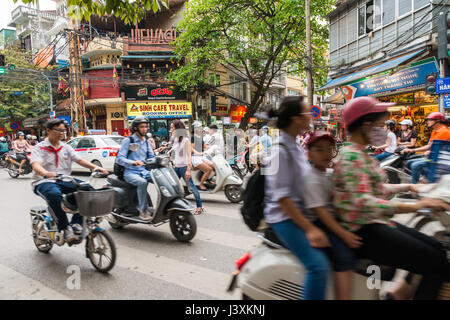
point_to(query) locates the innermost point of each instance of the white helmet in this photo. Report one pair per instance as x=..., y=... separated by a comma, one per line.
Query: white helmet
x=2, y=139
x=406, y=122
x=28, y=136
x=197, y=124
x=33, y=138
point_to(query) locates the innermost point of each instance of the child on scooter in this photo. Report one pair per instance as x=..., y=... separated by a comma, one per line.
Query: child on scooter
x=321, y=147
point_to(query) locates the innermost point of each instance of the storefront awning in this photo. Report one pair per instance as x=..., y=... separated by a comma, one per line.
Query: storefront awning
x=336, y=98
x=370, y=71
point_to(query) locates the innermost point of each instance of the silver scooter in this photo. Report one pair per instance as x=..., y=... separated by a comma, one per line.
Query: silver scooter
x=165, y=191
x=272, y=272
x=224, y=178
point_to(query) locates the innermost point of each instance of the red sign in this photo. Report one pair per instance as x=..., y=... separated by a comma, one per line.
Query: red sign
x=252, y=120
x=237, y=112
x=161, y=91
x=2, y=132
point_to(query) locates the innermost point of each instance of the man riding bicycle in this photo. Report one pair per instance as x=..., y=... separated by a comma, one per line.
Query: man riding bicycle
x=50, y=158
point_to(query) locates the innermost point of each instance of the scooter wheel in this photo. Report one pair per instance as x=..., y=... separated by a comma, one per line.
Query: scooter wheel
x=101, y=250
x=183, y=226
x=12, y=172
x=234, y=193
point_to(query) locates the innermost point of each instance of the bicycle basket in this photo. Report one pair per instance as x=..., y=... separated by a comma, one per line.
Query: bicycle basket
x=95, y=203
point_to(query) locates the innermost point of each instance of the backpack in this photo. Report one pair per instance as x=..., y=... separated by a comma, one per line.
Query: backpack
x=252, y=210
x=119, y=169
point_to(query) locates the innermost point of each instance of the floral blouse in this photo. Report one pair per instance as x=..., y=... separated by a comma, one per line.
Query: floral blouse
x=359, y=194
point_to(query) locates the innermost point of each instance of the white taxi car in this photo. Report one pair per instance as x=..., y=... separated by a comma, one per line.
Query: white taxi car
x=101, y=150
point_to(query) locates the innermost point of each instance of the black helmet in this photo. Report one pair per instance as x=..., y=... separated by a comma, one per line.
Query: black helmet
x=137, y=121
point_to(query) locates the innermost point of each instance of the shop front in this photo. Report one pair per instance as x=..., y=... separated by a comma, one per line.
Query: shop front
x=404, y=87
x=160, y=114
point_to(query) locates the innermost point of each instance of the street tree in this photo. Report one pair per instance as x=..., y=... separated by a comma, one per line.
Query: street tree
x=23, y=93
x=258, y=40
x=129, y=11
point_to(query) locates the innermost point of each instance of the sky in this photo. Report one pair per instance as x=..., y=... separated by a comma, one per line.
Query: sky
x=8, y=6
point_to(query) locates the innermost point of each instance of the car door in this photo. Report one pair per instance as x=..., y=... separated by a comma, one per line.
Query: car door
x=87, y=148
x=74, y=144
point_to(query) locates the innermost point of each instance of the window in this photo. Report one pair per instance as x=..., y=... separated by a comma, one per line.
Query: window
x=404, y=7
x=214, y=79
x=420, y=3
x=352, y=20
x=388, y=11
x=362, y=21
x=113, y=141
x=293, y=93
x=377, y=14
x=86, y=143
x=333, y=36
x=343, y=31
x=73, y=143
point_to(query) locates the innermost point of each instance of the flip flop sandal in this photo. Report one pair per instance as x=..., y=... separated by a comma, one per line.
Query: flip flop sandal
x=198, y=211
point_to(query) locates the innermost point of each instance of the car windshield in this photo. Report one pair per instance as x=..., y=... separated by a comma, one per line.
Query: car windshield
x=113, y=141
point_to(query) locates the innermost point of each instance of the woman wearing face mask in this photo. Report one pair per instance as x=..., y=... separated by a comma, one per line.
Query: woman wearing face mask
x=391, y=141
x=360, y=198
x=284, y=209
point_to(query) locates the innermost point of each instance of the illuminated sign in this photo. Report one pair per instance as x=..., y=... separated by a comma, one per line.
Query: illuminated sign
x=160, y=110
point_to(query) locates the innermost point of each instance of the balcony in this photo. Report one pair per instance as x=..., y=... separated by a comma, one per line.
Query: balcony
x=101, y=46
x=22, y=13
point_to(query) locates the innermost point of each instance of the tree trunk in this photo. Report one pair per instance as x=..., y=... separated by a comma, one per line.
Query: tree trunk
x=309, y=76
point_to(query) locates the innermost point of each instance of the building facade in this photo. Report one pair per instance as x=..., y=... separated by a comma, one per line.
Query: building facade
x=386, y=49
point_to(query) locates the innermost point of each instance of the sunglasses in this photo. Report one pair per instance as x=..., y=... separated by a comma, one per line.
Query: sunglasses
x=60, y=130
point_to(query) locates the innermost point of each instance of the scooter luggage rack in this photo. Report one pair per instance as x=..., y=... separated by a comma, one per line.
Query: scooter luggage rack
x=95, y=203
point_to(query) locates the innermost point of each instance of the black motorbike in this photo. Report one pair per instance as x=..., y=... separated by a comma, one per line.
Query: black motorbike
x=13, y=164
x=170, y=205
x=395, y=166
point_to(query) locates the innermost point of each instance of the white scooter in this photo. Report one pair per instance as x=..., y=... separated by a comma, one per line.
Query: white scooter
x=272, y=272
x=224, y=178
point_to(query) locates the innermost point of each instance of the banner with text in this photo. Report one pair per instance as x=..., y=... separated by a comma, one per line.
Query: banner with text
x=159, y=110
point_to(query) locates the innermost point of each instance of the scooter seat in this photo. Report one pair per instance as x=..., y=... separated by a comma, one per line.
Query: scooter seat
x=270, y=235
x=116, y=182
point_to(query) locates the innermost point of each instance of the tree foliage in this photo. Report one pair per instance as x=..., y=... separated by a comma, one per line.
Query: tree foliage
x=256, y=39
x=128, y=11
x=34, y=98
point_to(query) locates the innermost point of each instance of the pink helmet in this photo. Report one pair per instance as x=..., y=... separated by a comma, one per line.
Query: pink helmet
x=358, y=107
x=317, y=135
x=436, y=116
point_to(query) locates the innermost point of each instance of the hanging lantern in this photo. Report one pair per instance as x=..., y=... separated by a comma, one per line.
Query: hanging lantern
x=167, y=66
x=153, y=66
x=140, y=66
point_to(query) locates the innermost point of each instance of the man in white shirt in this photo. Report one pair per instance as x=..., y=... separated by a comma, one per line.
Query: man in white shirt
x=216, y=140
x=48, y=159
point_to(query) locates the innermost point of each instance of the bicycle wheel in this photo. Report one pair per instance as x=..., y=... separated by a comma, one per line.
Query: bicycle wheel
x=101, y=250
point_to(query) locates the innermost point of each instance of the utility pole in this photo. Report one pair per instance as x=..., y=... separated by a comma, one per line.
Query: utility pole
x=78, y=114
x=309, y=75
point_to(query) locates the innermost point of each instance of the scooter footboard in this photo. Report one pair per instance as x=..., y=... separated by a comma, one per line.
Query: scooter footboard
x=179, y=205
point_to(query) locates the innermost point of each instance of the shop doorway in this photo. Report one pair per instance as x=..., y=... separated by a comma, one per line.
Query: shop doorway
x=117, y=126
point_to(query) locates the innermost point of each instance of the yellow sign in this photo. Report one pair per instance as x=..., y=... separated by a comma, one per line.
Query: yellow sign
x=160, y=110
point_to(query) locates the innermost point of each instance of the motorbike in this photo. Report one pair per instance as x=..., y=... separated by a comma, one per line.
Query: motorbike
x=395, y=166
x=165, y=191
x=222, y=179
x=90, y=203
x=3, y=159
x=13, y=165
x=272, y=272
